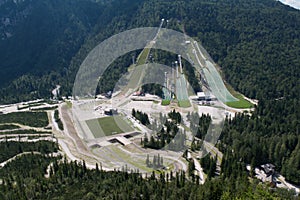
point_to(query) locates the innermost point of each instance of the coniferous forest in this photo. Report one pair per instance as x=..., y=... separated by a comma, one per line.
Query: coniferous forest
x=26, y=180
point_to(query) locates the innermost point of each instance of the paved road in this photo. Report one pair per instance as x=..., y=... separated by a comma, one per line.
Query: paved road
x=199, y=170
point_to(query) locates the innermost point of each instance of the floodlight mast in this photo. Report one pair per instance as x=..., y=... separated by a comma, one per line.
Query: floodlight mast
x=166, y=80
x=176, y=64
x=173, y=78
x=180, y=64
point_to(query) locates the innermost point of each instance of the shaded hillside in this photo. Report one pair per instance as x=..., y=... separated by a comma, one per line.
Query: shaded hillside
x=44, y=42
x=41, y=44
x=41, y=38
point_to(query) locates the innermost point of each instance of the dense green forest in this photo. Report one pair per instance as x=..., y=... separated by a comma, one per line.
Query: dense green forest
x=34, y=119
x=164, y=138
x=256, y=43
x=267, y=136
x=10, y=149
x=26, y=180
x=58, y=120
x=142, y=117
x=8, y=126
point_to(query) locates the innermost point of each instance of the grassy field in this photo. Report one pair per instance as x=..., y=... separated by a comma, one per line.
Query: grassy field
x=143, y=56
x=138, y=70
x=137, y=162
x=69, y=104
x=165, y=102
x=109, y=126
x=242, y=103
x=135, y=77
x=184, y=103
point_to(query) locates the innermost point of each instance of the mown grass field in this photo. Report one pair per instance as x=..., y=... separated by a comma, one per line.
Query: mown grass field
x=109, y=125
x=165, y=102
x=184, y=103
x=242, y=103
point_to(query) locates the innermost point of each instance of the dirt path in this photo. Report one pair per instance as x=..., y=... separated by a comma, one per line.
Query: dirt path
x=17, y=156
x=24, y=127
x=71, y=144
x=70, y=129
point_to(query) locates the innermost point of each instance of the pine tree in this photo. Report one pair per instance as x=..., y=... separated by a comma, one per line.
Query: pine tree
x=154, y=161
x=147, y=161
x=191, y=167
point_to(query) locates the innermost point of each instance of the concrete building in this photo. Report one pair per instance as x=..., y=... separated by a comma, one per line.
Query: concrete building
x=110, y=111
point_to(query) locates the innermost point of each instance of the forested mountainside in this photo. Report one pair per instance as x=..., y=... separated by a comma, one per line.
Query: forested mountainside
x=256, y=43
x=74, y=181
x=44, y=42
x=38, y=41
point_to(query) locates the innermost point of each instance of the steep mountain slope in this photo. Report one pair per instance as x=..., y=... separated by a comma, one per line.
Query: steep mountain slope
x=39, y=37
x=36, y=49
x=256, y=43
